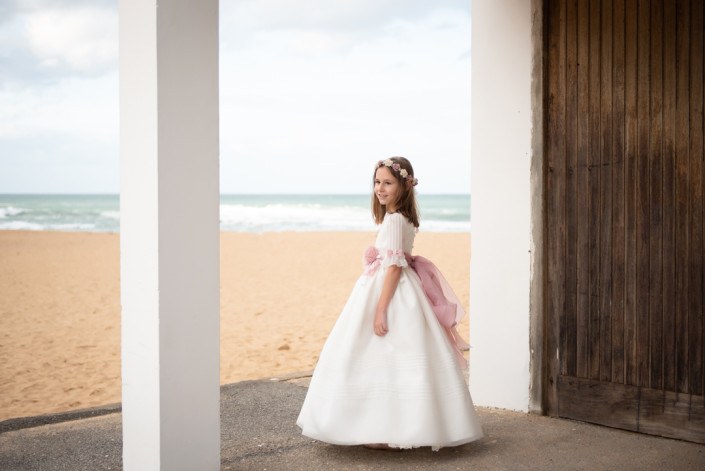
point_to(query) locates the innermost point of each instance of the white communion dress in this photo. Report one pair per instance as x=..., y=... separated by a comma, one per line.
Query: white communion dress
x=405, y=389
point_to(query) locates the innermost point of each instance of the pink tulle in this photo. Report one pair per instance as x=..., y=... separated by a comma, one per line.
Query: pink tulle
x=443, y=300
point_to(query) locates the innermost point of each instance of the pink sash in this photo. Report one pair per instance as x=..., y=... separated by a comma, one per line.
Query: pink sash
x=444, y=302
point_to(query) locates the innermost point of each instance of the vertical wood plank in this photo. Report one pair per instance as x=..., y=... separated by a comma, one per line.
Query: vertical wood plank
x=695, y=265
x=610, y=160
x=655, y=201
x=702, y=198
x=642, y=322
x=631, y=130
x=582, y=190
x=571, y=126
x=682, y=193
x=669, y=195
x=702, y=177
x=616, y=340
x=555, y=200
x=595, y=213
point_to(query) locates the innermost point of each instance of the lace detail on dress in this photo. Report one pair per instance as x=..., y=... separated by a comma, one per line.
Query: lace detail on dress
x=394, y=257
x=372, y=260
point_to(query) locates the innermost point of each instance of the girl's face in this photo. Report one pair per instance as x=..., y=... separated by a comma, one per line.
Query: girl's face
x=386, y=188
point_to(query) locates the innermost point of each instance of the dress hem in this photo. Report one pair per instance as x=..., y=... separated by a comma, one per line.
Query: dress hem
x=391, y=443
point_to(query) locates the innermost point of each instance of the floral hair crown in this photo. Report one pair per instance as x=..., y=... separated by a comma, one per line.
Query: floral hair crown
x=397, y=168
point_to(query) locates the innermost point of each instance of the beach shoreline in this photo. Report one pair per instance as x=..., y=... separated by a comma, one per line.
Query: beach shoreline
x=281, y=293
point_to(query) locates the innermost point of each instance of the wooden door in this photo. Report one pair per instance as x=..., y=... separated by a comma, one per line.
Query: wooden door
x=624, y=215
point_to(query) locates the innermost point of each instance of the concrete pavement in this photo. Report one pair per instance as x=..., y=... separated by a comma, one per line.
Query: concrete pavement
x=258, y=432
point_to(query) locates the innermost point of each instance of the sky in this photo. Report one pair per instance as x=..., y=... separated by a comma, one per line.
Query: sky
x=310, y=98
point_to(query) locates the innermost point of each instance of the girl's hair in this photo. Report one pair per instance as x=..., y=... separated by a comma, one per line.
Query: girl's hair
x=406, y=198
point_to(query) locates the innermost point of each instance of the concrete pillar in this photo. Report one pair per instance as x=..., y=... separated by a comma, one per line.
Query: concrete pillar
x=502, y=51
x=169, y=234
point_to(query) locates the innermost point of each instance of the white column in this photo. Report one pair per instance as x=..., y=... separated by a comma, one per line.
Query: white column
x=169, y=234
x=501, y=210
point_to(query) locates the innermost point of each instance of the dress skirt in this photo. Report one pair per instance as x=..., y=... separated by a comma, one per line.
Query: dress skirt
x=406, y=389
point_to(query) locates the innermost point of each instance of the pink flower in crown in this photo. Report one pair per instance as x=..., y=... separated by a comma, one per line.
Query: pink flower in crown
x=397, y=168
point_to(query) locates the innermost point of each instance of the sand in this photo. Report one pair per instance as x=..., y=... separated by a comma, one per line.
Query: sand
x=280, y=296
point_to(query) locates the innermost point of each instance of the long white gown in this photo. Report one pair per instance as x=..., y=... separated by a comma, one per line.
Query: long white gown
x=407, y=388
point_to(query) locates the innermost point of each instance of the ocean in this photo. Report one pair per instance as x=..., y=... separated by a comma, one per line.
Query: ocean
x=238, y=213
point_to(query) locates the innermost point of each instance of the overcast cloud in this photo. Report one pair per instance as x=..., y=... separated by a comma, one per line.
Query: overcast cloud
x=312, y=93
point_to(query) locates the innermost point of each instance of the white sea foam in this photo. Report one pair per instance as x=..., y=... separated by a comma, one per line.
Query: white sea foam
x=71, y=227
x=110, y=215
x=293, y=217
x=21, y=226
x=10, y=211
x=450, y=212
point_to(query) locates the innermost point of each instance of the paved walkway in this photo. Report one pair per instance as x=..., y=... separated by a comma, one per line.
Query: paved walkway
x=259, y=433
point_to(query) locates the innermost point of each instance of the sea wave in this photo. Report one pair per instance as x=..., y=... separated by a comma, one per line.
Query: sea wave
x=21, y=226
x=293, y=217
x=88, y=227
x=10, y=211
x=110, y=215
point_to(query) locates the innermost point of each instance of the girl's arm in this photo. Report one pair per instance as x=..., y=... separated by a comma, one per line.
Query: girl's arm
x=391, y=280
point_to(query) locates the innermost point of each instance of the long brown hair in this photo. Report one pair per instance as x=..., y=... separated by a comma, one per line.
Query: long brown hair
x=406, y=199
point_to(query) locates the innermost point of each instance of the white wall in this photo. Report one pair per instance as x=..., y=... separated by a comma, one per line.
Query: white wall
x=501, y=211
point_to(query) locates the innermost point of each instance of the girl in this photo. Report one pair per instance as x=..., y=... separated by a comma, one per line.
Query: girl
x=390, y=373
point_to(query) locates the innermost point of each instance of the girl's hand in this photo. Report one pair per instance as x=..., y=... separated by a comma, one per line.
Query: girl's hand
x=381, y=324
x=391, y=280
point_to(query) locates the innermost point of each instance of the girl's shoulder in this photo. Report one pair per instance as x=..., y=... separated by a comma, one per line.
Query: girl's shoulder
x=396, y=218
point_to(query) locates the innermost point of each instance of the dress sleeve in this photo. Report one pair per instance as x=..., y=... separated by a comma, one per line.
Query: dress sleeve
x=393, y=254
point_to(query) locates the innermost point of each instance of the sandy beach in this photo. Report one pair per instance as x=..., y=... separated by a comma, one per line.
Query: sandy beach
x=280, y=295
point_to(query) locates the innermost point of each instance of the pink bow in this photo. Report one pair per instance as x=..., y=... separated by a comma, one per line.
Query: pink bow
x=371, y=259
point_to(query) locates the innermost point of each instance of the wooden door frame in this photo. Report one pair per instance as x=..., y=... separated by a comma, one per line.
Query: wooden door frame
x=542, y=387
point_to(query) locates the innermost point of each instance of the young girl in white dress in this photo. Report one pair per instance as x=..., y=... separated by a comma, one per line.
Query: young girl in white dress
x=390, y=373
